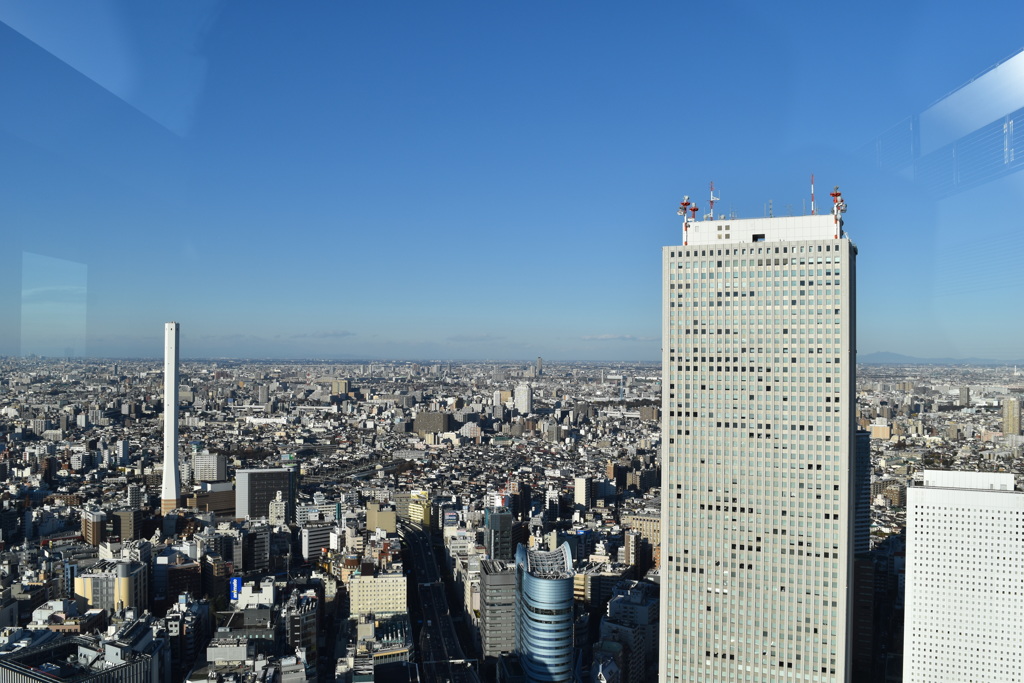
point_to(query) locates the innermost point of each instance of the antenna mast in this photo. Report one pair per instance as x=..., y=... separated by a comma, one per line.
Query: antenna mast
x=838, y=209
x=711, y=209
x=812, y=194
x=684, y=206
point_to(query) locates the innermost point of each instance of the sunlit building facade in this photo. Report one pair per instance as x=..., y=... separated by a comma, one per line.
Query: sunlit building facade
x=964, y=604
x=758, y=455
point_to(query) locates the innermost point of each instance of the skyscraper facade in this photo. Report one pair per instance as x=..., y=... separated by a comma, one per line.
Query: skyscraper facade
x=498, y=533
x=210, y=466
x=524, y=399
x=544, y=613
x=964, y=604
x=170, y=491
x=497, y=608
x=1011, y=416
x=256, y=489
x=758, y=450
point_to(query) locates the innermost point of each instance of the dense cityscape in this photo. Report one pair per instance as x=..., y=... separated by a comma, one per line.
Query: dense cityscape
x=358, y=522
x=365, y=343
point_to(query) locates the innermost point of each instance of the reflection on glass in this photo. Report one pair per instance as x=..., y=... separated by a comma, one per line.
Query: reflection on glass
x=53, y=306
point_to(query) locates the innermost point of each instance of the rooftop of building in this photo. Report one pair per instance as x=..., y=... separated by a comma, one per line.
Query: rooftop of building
x=767, y=229
x=547, y=564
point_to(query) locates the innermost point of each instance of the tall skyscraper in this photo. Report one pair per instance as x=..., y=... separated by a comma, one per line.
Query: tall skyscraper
x=758, y=457
x=964, y=604
x=170, y=491
x=544, y=613
x=524, y=399
x=1011, y=416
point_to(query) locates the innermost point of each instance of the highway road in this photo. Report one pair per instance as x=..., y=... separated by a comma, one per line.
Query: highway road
x=439, y=651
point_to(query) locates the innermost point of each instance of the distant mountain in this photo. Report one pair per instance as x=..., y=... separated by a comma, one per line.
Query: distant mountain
x=890, y=358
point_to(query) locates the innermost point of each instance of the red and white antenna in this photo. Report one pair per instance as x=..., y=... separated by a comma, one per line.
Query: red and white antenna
x=812, y=194
x=711, y=209
x=838, y=209
x=684, y=206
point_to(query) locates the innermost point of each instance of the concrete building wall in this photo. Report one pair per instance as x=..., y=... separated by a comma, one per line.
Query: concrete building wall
x=964, y=606
x=757, y=414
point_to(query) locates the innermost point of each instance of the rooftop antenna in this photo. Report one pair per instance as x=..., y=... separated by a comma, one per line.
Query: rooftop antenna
x=711, y=208
x=838, y=209
x=771, y=214
x=684, y=206
x=812, y=194
x=693, y=212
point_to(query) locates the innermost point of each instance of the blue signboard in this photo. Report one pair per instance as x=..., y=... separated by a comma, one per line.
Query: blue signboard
x=236, y=587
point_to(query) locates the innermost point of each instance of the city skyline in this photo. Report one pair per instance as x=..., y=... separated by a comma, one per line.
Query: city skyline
x=342, y=478
x=466, y=183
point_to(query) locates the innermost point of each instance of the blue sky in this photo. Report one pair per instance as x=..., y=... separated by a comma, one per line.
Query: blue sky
x=476, y=180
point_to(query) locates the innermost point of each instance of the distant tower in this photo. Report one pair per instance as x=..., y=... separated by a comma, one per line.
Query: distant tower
x=1011, y=416
x=171, y=489
x=540, y=366
x=965, y=397
x=524, y=399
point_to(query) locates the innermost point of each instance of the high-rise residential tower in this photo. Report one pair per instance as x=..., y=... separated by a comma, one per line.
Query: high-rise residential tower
x=210, y=466
x=170, y=491
x=1011, y=416
x=964, y=604
x=758, y=456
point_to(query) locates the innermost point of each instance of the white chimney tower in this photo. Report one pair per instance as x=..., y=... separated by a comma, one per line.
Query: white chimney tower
x=170, y=491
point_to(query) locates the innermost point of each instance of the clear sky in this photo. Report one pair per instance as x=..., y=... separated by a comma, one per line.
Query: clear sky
x=475, y=179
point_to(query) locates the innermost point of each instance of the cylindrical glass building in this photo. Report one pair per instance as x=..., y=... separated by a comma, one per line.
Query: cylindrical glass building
x=544, y=613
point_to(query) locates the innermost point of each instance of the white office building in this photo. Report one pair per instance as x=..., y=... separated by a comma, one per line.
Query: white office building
x=524, y=399
x=964, y=592
x=758, y=450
